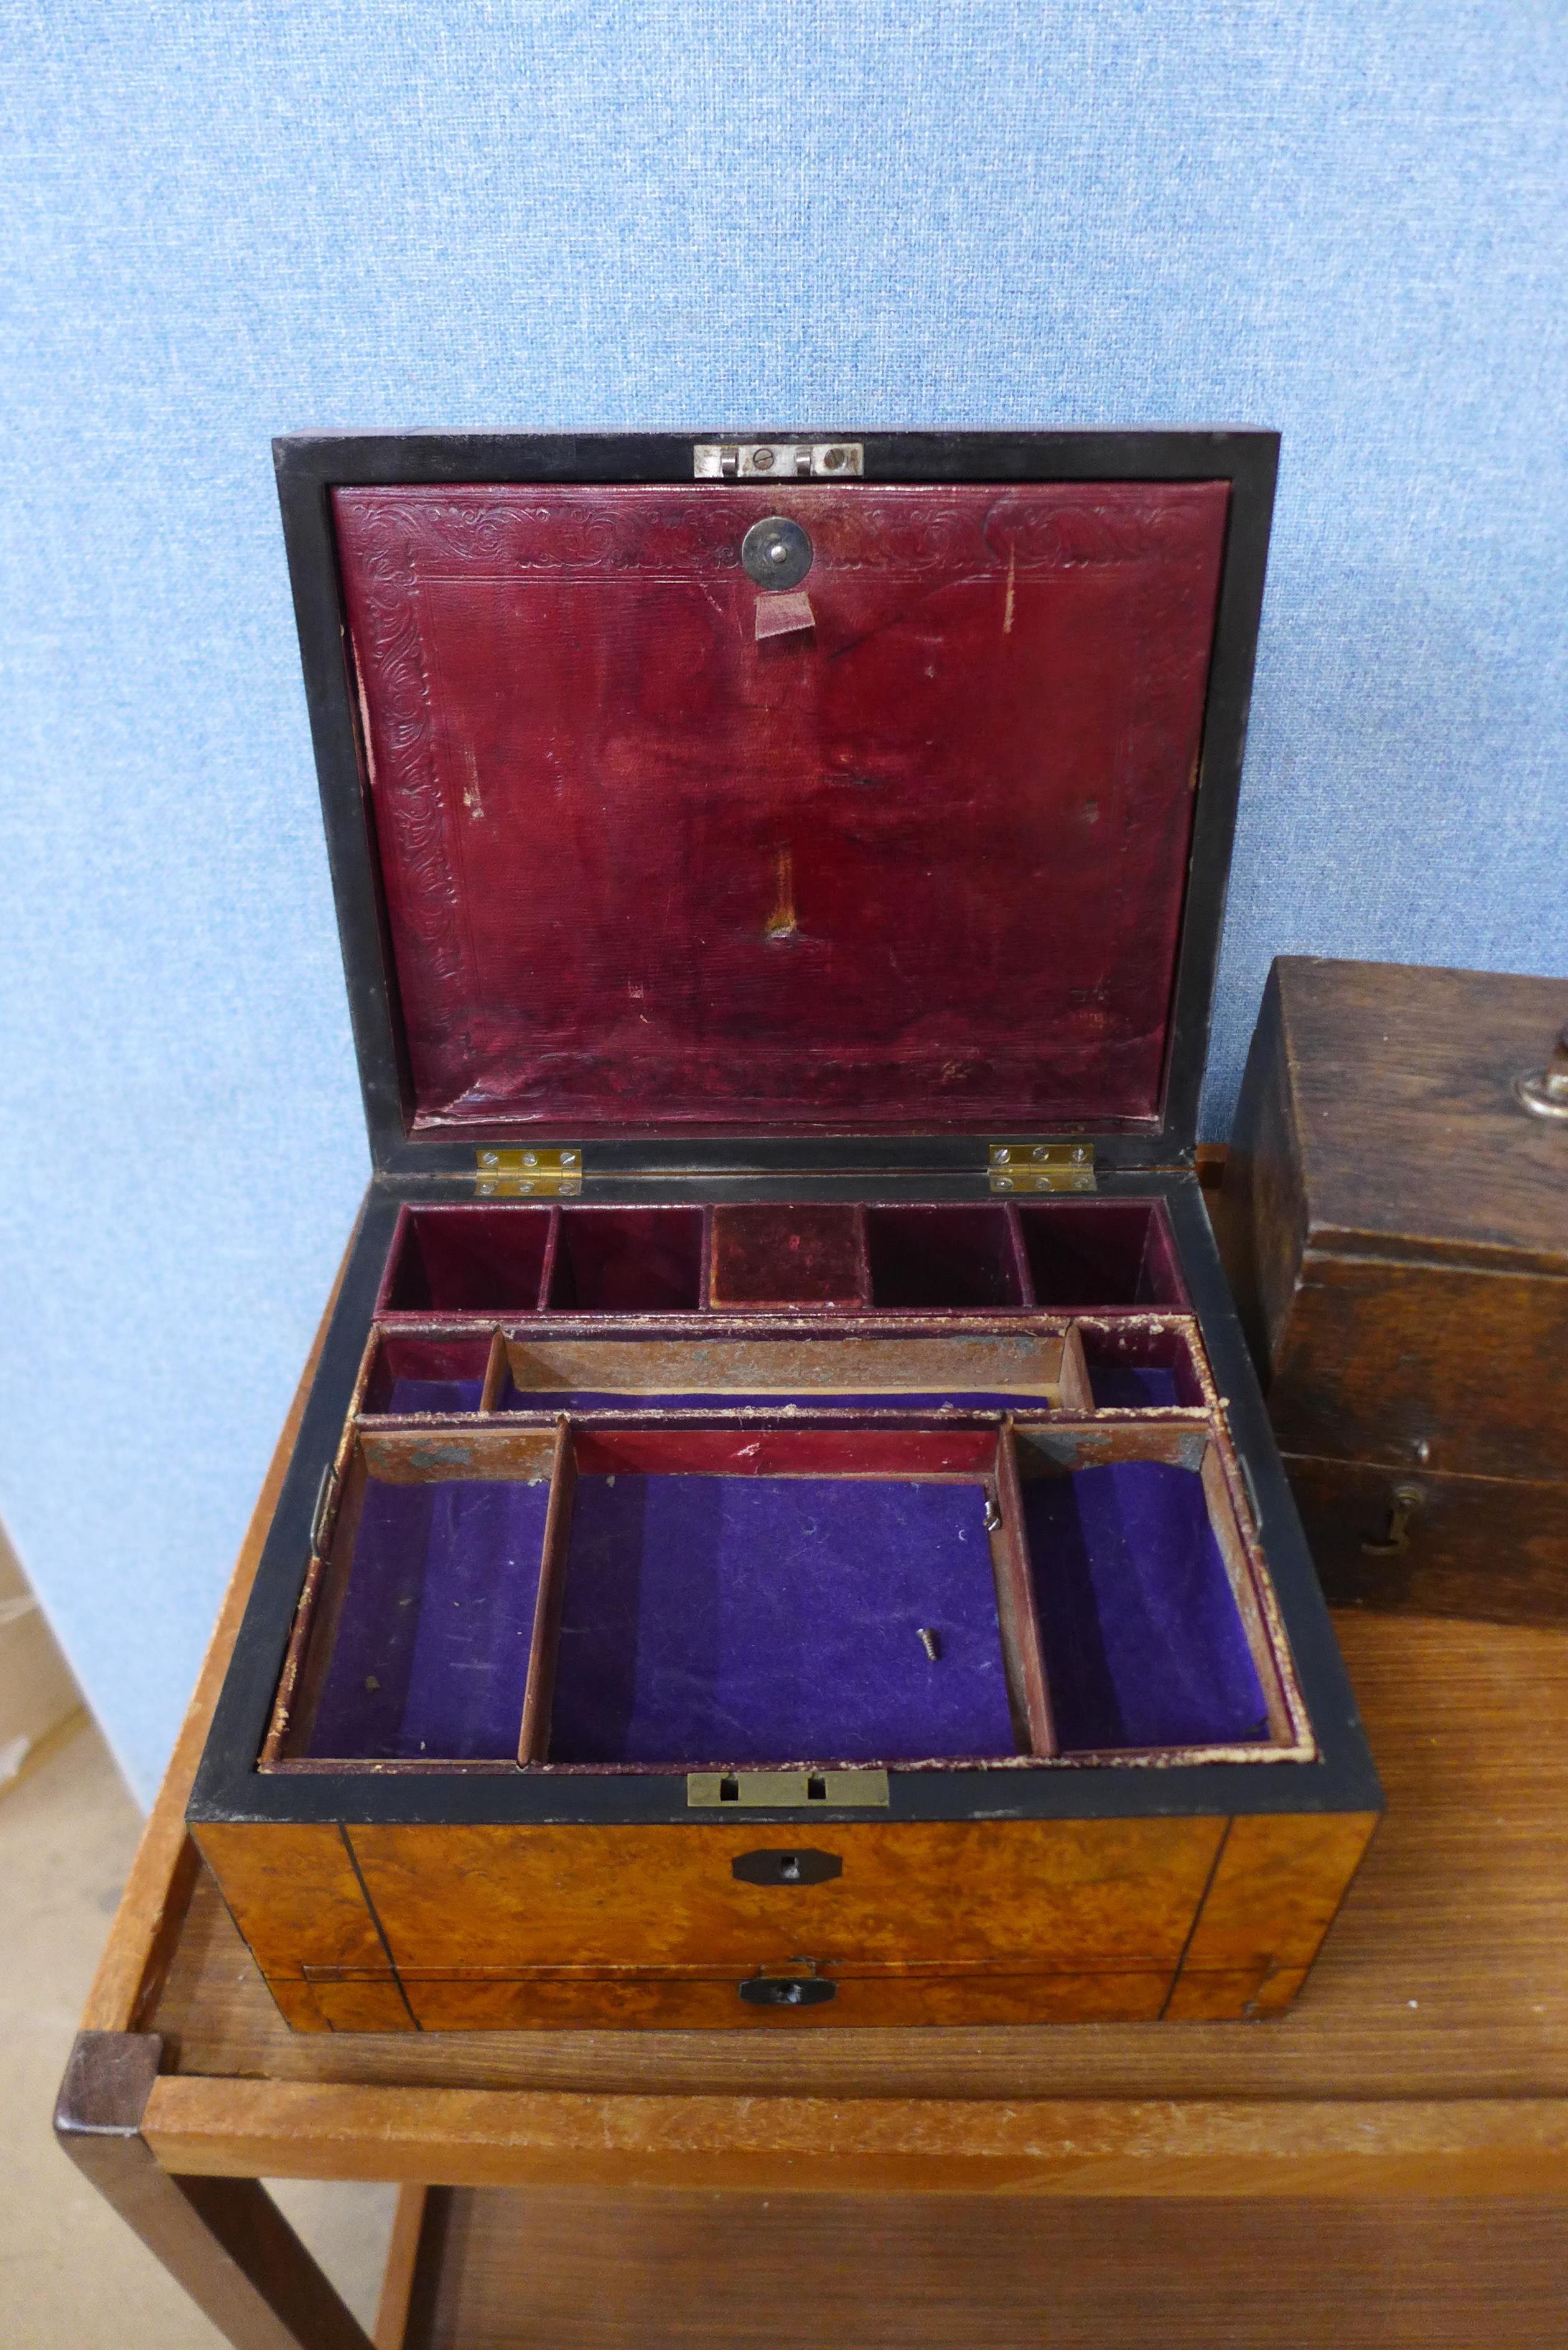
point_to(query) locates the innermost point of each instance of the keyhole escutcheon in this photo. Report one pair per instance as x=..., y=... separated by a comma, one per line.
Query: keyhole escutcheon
x=1403, y=1507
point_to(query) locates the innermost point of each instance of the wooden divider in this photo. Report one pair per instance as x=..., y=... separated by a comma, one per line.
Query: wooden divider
x=1016, y=1614
x=534, y=1737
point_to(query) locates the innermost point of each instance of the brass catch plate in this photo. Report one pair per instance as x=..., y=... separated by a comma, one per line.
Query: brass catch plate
x=777, y=461
x=1042, y=1166
x=528, y=1174
x=784, y=1789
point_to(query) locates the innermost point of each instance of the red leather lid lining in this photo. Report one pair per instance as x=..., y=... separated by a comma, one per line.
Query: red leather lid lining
x=916, y=867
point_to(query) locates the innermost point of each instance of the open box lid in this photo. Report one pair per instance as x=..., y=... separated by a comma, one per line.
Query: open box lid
x=895, y=831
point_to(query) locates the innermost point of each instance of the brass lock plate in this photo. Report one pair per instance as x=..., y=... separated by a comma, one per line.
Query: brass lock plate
x=783, y=1790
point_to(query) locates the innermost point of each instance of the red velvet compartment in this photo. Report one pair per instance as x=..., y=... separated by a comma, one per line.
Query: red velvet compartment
x=919, y=867
x=628, y=1260
x=1136, y=1366
x=944, y=1257
x=467, y=1260
x=506, y=1261
x=426, y=1374
x=1091, y=1252
x=799, y=1254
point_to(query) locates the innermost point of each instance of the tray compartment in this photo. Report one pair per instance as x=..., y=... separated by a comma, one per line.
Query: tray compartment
x=628, y=1260
x=1100, y=1252
x=1142, y=1366
x=732, y=1600
x=1149, y=1628
x=946, y=1257
x=808, y=1252
x=1020, y=1370
x=417, y=1636
x=407, y=1374
x=673, y=1592
x=804, y=1256
x=463, y=1260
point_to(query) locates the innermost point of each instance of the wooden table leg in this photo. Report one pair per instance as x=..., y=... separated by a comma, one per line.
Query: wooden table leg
x=403, y=2264
x=224, y=2241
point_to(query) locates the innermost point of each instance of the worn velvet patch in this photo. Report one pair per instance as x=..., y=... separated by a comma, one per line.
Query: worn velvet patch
x=431, y=1655
x=771, y=1620
x=1143, y=1641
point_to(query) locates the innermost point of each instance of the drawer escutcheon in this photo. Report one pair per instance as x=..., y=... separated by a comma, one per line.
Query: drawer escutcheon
x=786, y=1991
x=792, y=1867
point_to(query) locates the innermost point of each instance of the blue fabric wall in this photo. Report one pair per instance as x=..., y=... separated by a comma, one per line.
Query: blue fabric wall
x=1342, y=217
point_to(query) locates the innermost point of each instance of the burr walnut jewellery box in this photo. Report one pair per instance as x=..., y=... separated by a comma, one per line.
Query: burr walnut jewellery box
x=784, y=1533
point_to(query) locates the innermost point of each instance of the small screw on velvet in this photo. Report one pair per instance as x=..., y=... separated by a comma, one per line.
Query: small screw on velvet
x=928, y=1642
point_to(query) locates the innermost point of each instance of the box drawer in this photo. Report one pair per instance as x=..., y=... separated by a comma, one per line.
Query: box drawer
x=1248, y=1904
x=1421, y=1368
x=1488, y=1547
x=865, y=1998
x=885, y=2000
x=1047, y=1894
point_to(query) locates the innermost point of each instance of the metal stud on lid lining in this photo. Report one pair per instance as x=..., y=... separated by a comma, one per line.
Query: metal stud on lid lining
x=776, y=552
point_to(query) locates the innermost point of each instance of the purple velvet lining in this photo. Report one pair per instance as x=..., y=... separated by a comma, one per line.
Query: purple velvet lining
x=432, y=1654
x=771, y=1619
x=435, y=1395
x=1143, y=1640
x=1132, y=1386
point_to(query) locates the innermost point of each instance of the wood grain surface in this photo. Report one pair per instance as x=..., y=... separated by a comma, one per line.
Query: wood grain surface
x=1409, y=1134
x=1394, y=1227
x=1495, y=1548
x=573, y=2270
x=877, y=2001
x=1425, y=1366
x=1039, y=1895
x=293, y=1891
x=812, y=2145
x=1382, y=2168
x=1446, y=1974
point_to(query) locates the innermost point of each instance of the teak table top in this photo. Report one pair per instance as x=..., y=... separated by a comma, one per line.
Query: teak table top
x=1427, y=2057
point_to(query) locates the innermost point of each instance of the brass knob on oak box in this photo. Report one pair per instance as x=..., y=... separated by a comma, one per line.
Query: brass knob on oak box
x=1544, y=1092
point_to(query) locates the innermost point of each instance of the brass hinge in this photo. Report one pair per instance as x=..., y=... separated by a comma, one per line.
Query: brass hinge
x=1042, y=1166
x=524, y=1174
x=777, y=461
